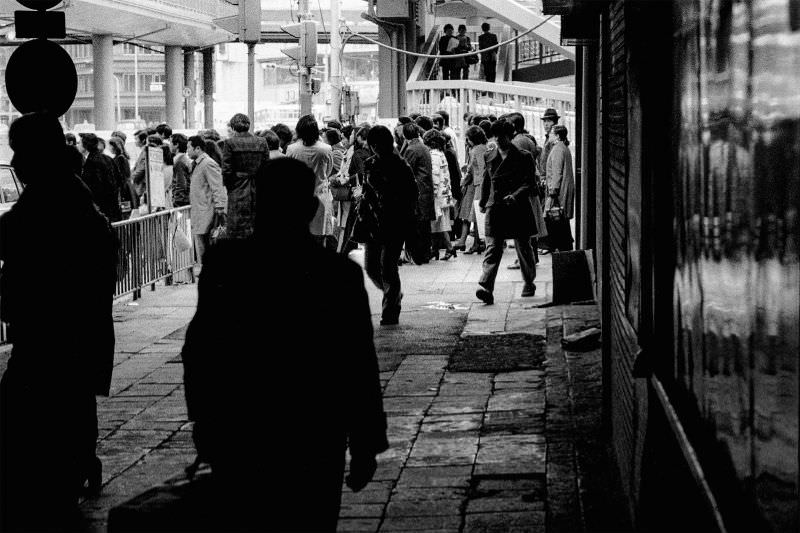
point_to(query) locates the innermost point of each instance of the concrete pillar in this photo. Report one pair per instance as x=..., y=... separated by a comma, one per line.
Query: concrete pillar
x=104, y=85
x=173, y=88
x=392, y=73
x=208, y=87
x=189, y=81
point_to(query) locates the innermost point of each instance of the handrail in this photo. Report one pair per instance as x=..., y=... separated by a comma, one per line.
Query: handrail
x=530, y=90
x=420, y=70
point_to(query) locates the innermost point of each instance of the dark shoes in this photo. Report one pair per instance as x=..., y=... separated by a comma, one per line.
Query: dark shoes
x=476, y=249
x=450, y=253
x=92, y=477
x=485, y=296
x=528, y=291
x=514, y=265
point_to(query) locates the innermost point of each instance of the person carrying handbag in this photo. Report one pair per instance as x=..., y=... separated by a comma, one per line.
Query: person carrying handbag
x=561, y=192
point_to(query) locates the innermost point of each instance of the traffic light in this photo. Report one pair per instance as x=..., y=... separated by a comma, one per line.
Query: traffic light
x=306, y=33
x=316, y=85
x=250, y=21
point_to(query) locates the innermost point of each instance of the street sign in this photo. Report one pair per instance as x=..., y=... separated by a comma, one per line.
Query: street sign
x=187, y=92
x=40, y=24
x=156, y=87
x=40, y=76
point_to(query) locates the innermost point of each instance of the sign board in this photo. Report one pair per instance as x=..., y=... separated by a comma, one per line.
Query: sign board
x=156, y=87
x=156, y=190
x=187, y=92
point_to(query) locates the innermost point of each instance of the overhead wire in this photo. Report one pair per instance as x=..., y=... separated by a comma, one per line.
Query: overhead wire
x=450, y=56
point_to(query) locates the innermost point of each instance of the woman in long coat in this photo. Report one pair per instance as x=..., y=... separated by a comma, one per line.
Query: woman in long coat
x=560, y=187
x=442, y=194
x=472, y=182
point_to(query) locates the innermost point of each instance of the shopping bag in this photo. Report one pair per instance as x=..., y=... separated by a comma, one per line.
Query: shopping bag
x=181, y=240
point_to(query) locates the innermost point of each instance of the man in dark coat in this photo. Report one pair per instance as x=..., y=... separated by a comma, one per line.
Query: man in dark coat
x=48, y=414
x=390, y=195
x=418, y=157
x=100, y=175
x=275, y=404
x=505, y=198
x=181, y=169
x=489, y=59
x=243, y=154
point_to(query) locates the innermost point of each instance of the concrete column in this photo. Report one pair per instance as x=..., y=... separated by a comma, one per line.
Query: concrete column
x=173, y=88
x=104, y=85
x=208, y=87
x=189, y=81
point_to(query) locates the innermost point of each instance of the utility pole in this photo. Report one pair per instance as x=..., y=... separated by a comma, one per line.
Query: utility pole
x=304, y=79
x=251, y=83
x=334, y=63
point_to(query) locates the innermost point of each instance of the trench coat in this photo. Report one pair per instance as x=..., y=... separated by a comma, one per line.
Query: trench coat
x=275, y=426
x=512, y=176
x=559, y=176
x=100, y=175
x=243, y=155
x=418, y=157
x=205, y=193
x=319, y=157
x=524, y=143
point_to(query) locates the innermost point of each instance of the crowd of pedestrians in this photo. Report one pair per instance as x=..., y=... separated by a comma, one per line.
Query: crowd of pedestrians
x=403, y=194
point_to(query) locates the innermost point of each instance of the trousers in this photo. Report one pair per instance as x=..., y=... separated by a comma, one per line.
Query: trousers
x=494, y=252
x=380, y=262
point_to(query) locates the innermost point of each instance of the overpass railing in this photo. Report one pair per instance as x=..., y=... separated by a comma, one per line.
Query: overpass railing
x=458, y=97
x=152, y=248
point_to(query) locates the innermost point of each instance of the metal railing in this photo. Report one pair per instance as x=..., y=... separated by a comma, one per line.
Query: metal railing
x=152, y=248
x=209, y=8
x=470, y=96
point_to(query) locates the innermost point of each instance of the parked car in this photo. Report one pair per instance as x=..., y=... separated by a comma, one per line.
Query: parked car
x=10, y=187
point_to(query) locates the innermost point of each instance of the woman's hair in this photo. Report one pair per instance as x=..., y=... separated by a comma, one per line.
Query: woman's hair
x=210, y=134
x=168, y=158
x=307, y=130
x=89, y=142
x=503, y=128
x=347, y=131
x=410, y=131
x=273, y=142
x=381, y=140
x=424, y=122
x=561, y=132
x=434, y=140
x=283, y=132
x=239, y=123
x=363, y=133
x=332, y=136
x=486, y=126
x=212, y=149
x=118, y=147
x=154, y=140
x=403, y=120
x=120, y=134
x=180, y=141
x=445, y=115
x=476, y=135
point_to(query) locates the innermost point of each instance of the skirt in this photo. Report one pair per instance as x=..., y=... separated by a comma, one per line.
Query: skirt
x=466, y=202
x=442, y=222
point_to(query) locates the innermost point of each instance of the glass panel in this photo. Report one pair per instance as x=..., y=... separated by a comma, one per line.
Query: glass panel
x=8, y=186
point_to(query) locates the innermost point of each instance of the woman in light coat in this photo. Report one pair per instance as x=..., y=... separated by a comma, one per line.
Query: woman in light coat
x=471, y=182
x=442, y=193
x=560, y=187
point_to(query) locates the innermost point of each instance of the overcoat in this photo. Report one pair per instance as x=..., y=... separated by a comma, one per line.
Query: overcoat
x=419, y=159
x=205, y=193
x=319, y=157
x=243, y=155
x=100, y=175
x=559, y=176
x=387, y=209
x=512, y=176
x=277, y=404
x=524, y=143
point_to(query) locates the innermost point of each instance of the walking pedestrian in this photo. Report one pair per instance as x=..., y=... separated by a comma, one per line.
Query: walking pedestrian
x=317, y=155
x=560, y=189
x=99, y=174
x=243, y=155
x=488, y=59
x=284, y=473
x=385, y=214
x=418, y=156
x=505, y=198
x=471, y=184
x=48, y=410
x=442, y=195
x=206, y=194
x=352, y=176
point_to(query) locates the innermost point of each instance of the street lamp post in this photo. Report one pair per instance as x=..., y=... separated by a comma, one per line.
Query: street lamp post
x=119, y=111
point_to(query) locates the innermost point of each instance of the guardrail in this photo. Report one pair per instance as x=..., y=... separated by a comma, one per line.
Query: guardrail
x=152, y=248
x=461, y=96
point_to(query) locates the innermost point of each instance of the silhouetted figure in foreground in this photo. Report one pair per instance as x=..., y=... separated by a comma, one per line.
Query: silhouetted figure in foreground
x=275, y=403
x=63, y=347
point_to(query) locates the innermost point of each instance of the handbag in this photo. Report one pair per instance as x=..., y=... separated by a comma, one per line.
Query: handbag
x=218, y=230
x=555, y=213
x=342, y=192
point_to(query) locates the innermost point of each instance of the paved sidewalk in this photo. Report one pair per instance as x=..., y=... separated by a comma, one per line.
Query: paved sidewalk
x=478, y=449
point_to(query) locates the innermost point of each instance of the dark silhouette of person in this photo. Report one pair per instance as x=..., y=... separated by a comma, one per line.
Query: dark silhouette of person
x=48, y=411
x=275, y=403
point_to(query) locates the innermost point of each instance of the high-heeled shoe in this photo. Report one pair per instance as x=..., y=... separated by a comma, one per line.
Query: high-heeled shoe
x=450, y=253
x=435, y=255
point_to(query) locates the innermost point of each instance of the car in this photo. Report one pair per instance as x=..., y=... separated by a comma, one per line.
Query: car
x=10, y=187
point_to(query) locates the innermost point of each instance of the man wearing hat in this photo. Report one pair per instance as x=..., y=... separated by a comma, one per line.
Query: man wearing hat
x=549, y=119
